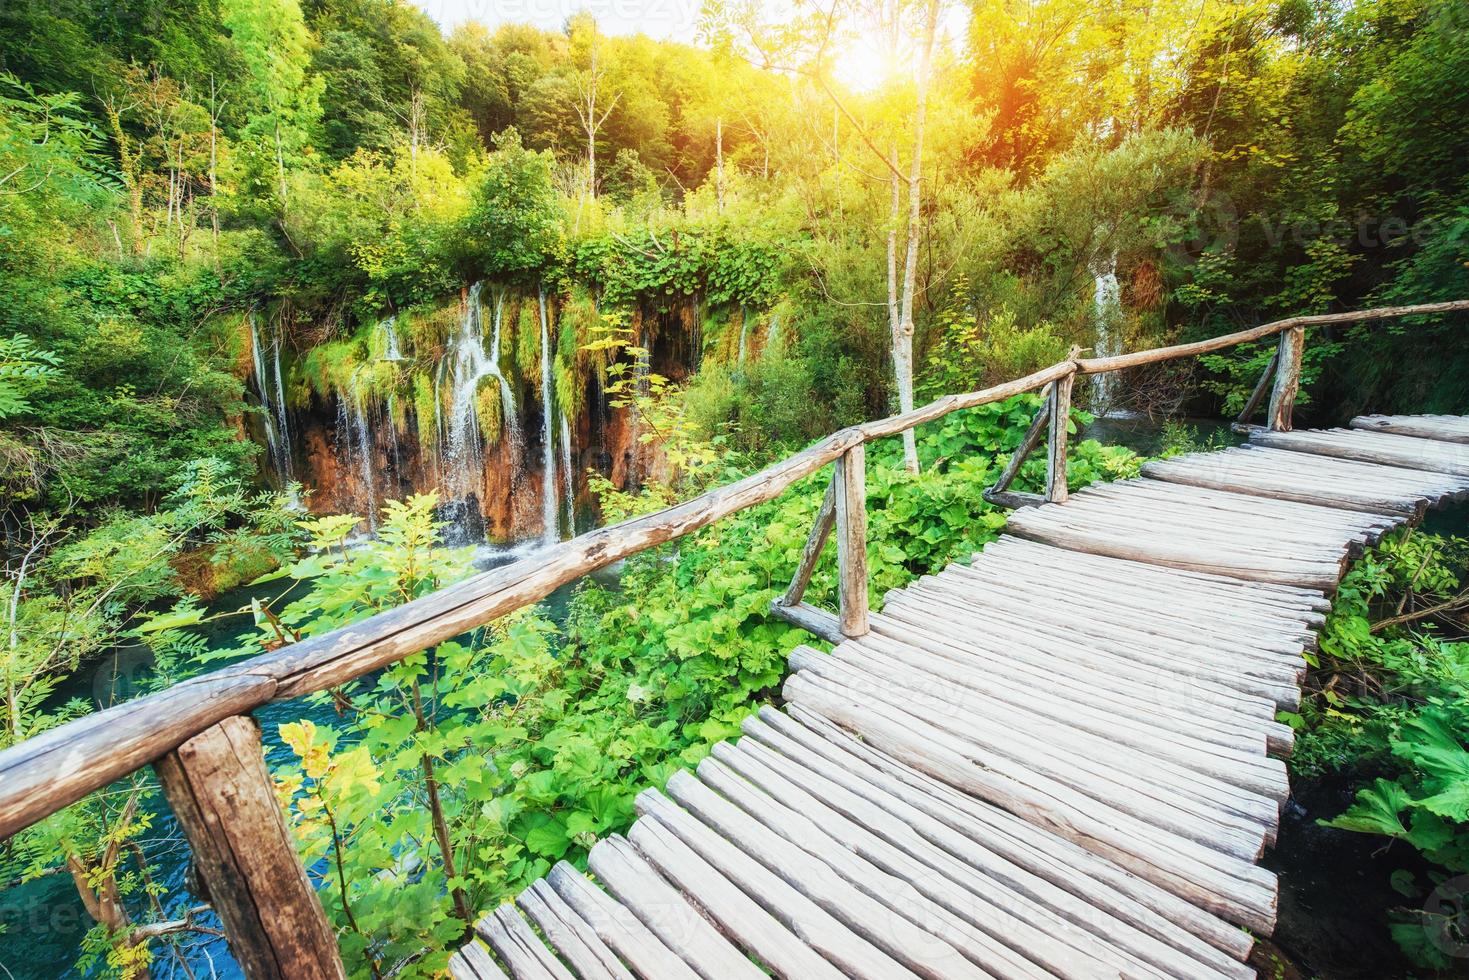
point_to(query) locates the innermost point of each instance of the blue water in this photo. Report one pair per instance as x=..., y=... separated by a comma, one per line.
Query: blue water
x=42, y=923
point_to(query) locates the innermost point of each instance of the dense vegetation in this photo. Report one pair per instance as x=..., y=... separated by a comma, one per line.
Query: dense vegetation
x=924, y=198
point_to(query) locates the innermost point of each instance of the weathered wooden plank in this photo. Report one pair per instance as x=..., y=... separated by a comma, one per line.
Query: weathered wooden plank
x=1372, y=447
x=1447, y=428
x=1143, y=544
x=473, y=962
x=994, y=937
x=617, y=926
x=1041, y=711
x=519, y=947
x=1063, y=863
x=1226, y=886
x=1082, y=762
x=575, y=941
x=849, y=951
x=225, y=802
x=886, y=908
x=862, y=794
x=750, y=924
x=666, y=913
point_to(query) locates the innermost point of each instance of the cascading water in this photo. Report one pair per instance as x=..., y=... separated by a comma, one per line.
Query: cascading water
x=744, y=332
x=1106, y=316
x=361, y=439
x=465, y=365
x=569, y=474
x=772, y=332
x=550, y=505
x=271, y=391
x=389, y=327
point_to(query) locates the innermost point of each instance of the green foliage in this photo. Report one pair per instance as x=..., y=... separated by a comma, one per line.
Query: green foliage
x=1388, y=697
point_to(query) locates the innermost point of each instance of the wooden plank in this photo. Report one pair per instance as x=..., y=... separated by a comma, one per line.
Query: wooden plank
x=747, y=922
x=1447, y=428
x=815, y=542
x=864, y=795
x=1013, y=499
x=1125, y=700
x=886, y=908
x=1117, y=637
x=225, y=802
x=1229, y=887
x=1226, y=588
x=473, y=962
x=1067, y=757
x=849, y=951
x=617, y=926
x=1063, y=863
x=1287, y=378
x=851, y=519
x=1242, y=561
x=1371, y=447
x=666, y=913
x=979, y=922
x=519, y=947
x=574, y=940
x=1038, y=708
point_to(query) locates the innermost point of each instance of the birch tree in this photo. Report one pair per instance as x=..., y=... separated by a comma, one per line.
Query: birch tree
x=807, y=48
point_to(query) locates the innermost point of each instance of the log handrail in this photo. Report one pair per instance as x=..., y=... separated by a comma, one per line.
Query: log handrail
x=44, y=774
x=49, y=772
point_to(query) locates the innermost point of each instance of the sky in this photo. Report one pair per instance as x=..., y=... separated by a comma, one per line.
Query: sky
x=667, y=19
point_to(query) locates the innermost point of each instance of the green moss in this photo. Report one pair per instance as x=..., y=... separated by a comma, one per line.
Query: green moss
x=423, y=395
x=490, y=411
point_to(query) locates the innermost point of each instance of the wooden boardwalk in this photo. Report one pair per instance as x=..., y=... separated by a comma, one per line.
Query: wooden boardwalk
x=1060, y=759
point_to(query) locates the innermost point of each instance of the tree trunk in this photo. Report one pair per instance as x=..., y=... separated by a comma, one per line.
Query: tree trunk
x=719, y=164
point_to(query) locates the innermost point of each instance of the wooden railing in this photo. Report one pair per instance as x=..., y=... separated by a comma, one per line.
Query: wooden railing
x=207, y=753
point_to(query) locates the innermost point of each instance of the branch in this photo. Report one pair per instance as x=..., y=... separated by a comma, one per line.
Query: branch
x=1459, y=601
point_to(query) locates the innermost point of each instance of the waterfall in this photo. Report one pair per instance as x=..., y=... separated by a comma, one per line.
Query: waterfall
x=389, y=327
x=464, y=366
x=744, y=331
x=772, y=332
x=361, y=440
x=550, y=505
x=1106, y=315
x=271, y=391
x=569, y=474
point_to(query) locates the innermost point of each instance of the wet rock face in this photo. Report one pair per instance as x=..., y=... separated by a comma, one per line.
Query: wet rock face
x=493, y=402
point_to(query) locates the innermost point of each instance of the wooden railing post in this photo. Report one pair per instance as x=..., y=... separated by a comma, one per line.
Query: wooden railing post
x=1287, y=377
x=1060, y=417
x=850, y=482
x=221, y=792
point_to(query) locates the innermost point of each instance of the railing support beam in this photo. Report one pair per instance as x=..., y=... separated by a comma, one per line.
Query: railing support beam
x=1060, y=418
x=850, y=484
x=225, y=802
x=1287, y=378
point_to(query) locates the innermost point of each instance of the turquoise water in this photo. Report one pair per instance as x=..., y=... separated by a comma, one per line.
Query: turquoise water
x=44, y=922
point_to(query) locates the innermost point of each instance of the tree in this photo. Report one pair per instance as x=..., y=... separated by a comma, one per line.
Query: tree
x=583, y=33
